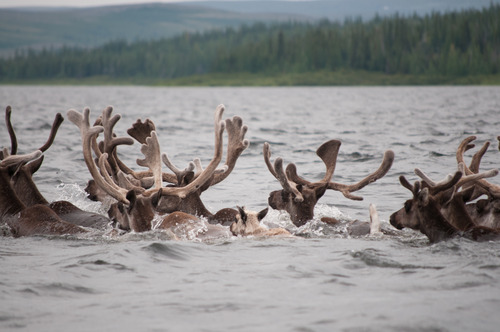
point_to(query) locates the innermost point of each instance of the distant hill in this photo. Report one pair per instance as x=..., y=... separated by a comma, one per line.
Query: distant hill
x=54, y=27
x=340, y=9
x=45, y=27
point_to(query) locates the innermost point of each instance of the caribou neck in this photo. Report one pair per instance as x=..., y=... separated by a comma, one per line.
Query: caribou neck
x=434, y=225
x=26, y=189
x=9, y=202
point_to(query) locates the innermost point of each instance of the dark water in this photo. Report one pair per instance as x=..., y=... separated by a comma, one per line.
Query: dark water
x=321, y=281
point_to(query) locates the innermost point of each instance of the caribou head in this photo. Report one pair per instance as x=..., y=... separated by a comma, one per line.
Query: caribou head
x=422, y=213
x=249, y=223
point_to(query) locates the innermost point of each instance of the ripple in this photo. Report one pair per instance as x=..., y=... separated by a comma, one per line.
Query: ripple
x=165, y=250
x=373, y=257
x=58, y=288
x=100, y=264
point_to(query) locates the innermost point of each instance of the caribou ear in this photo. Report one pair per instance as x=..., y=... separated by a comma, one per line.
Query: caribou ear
x=467, y=194
x=447, y=195
x=243, y=214
x=35, y=165
x=423, y=197
x=320, y=191
x=131, y=197
x=262, y=214
x=155, y=198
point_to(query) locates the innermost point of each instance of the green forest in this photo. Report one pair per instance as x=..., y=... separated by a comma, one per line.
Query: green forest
x=433, y=49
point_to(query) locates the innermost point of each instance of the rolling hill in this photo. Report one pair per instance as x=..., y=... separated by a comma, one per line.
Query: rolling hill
x=45, y=27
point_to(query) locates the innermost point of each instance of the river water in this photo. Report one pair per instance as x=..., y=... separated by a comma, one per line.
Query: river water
x=320, y=280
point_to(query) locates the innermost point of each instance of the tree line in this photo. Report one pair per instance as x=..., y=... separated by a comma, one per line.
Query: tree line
x=454, y=44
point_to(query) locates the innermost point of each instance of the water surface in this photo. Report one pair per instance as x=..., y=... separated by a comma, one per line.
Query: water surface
x=320, y=281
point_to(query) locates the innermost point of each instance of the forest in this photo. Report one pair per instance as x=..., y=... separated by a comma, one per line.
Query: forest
x=453, y=44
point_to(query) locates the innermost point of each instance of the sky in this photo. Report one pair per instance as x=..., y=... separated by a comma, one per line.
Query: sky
x=74, y=3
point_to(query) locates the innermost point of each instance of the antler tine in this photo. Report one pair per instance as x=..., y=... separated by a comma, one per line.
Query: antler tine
x=198, y=167
x=236, y=144
x=476, y=158
x=88, y=134
x=425, y=177
x=141, y=130
x=151, y=150
x=475, y=177
x=266, y=151
x=415, y=188
x=405, y=183
x=12, y=134
x=180, y=174
x=379, y=173
x=287, y=185
x=4, y=153
x=464, y=146
x=206, y=175
x=107, y=183
x=291, y=173
x=328, y=152
x=58, y=120
x=109, y=123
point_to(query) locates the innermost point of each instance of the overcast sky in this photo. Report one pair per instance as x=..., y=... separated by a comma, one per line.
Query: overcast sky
x=74, y=3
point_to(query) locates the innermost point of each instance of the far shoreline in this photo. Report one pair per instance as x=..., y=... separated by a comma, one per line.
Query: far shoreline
x=319, y=78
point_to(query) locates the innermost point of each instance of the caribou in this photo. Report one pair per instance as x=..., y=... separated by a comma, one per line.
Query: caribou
x=447, y=208
x=248, y=223
x=21, y=178
x=128, y=178
x=25, y=220
x=141, y=196
x=485, y=211
x=299, y=196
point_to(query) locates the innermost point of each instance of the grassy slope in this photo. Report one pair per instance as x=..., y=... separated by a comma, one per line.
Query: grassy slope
x=321, y=78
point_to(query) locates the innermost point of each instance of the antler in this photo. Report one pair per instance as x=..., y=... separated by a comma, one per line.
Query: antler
x=58, y=120
x=458, y=179
x=413, y=188
x=235, y=146
x=110, y=141
x=346, y=190
x=16, y=160
x=151, y=150
x=492, y=189
x=89, y=134
x=141, y=130
x=13, y=140
x=328, y=152
x=180, y=174
x=278, y=172
x=208, y=172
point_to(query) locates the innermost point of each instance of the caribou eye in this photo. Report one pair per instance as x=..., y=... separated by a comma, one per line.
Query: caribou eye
x=408, y=206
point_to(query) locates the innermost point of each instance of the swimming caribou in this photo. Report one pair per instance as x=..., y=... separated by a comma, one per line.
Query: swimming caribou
x=27, y=220
x=447, y=208
x=299, y=196
x=21, y=177
x=141, y=196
